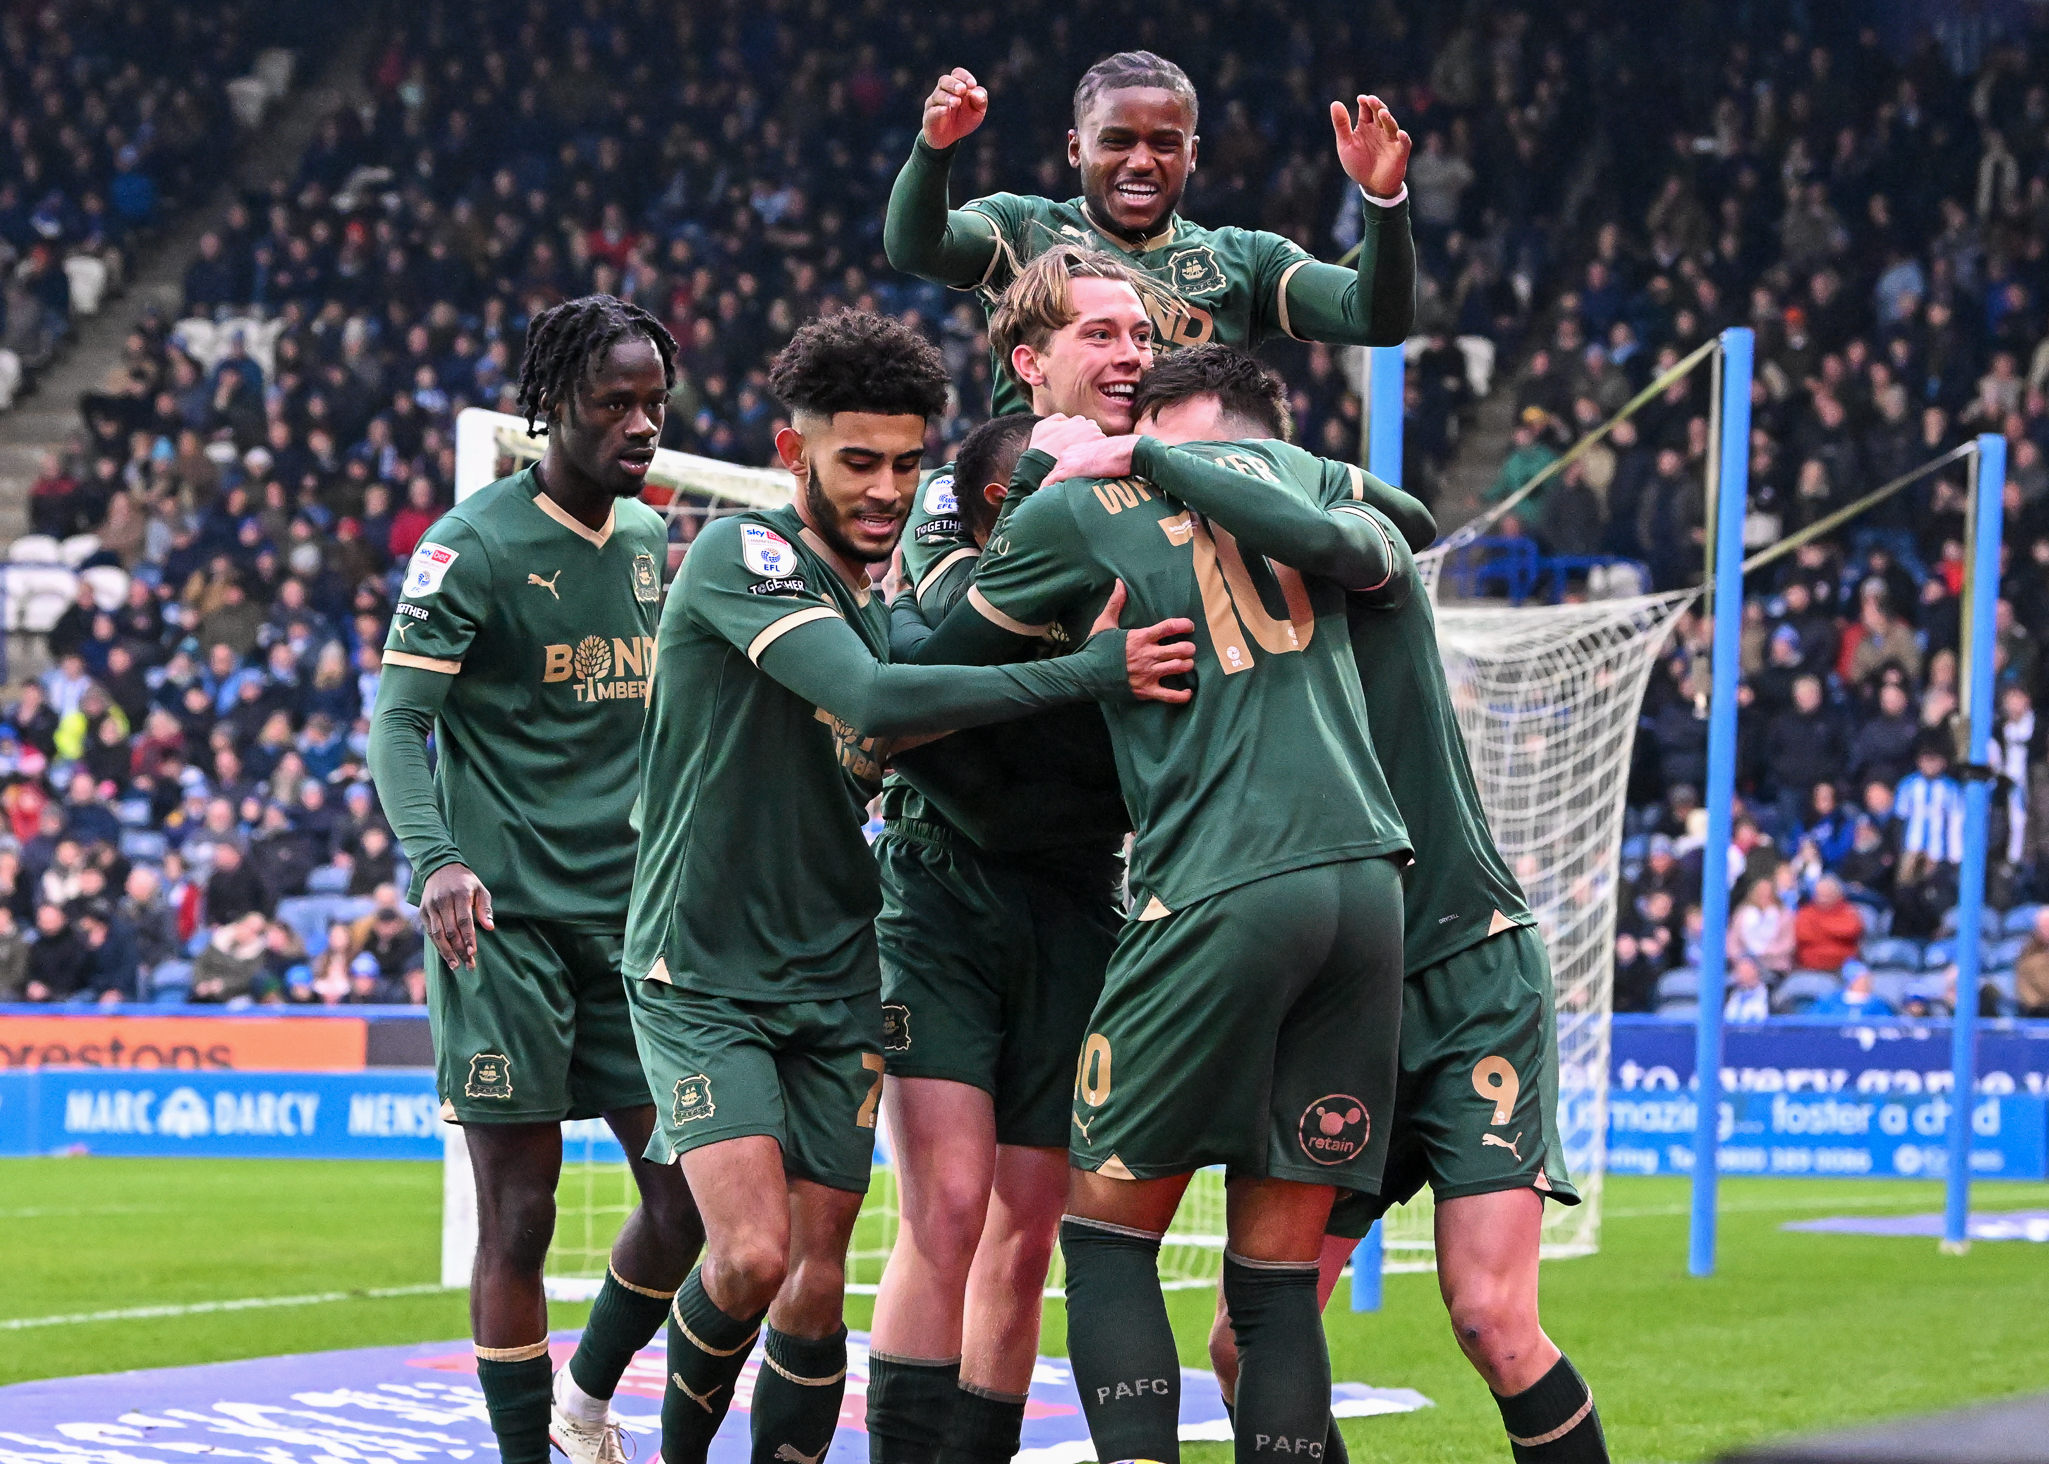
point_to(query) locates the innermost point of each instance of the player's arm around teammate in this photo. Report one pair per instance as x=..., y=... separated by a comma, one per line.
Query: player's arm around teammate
x=528, y=1008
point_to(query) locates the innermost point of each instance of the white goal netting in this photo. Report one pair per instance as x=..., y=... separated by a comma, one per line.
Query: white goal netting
x=1547, y=696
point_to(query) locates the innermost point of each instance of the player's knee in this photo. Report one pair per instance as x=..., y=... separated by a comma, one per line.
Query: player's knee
x=673, y=1214
x=750, y=1273
x=947, y=1223
x=515, y=1227
x=1493, y=1325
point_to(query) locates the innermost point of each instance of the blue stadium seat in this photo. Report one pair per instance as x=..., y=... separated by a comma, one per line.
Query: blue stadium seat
x=1939, y=953
x=1681, y=983
x=1687, y=1008
x=1877, y=918
x=1892, y=983
x=1892, y=950
x=2020, y=920
x=2006, y=952
x=1801, y=989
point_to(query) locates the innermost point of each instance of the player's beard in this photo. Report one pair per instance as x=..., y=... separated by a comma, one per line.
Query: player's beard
x=826, y=520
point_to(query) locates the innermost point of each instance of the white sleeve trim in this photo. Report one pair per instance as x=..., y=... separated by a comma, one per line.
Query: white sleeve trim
x=776, y=630
x=1010, y=623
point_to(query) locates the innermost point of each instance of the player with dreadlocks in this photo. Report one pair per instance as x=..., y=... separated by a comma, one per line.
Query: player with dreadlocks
x=523, y=640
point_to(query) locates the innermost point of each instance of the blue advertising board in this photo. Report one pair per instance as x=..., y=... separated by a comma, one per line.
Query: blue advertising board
x=379, y=1114
x=1890, y=1056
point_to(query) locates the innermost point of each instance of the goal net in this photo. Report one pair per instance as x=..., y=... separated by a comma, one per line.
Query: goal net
x=1547, y=696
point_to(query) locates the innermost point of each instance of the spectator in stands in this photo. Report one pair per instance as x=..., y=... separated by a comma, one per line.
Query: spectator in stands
x=1636, y=975
x=14, y=951
x=1828, y=931
x=110, y=945
x=1804, y=747
x=149, y=915
x=227, y=968
x=1761, y=929
x=1883, y=749
x=234, y=890
x=1855, y=1000
x=1930, y=809
x=59, y=965
x=2031, y=970
x=1749, y=999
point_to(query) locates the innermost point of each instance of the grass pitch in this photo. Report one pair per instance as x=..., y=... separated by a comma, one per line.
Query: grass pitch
x=1796, y=1332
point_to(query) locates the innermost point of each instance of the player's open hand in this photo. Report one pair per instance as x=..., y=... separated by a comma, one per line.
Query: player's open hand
x=1373, y=150
x=452, y=906
x=955, y=108
x=1097, y=457
x=1148, y=656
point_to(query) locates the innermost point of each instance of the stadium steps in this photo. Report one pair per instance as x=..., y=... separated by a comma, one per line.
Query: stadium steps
x=48, y=419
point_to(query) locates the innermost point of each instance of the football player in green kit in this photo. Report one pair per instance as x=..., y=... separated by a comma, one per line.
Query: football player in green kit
x=750, y=942
x=523, y=640
x=1250, y=1013
x=1476, y=1110
x=1134, y=144
x=1001, y=903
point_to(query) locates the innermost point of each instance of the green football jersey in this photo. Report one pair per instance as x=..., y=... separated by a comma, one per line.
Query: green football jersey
x=755, y=879
x=1460, y=890
x=1270, y=766
x=547, y=628
x=935, y=540
x=1228, y=284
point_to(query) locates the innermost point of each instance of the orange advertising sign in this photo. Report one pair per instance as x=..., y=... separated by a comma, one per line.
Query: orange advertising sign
x=282, y=1044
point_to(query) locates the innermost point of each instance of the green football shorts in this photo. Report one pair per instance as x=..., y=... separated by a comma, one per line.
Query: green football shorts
x=990, y=968
x=807, y=1074
x=1256, y=1029
x=1476, y=1109
x=537, y=1030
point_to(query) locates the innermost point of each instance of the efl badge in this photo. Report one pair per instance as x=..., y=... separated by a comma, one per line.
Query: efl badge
x=427, y=568
x=896, y=1027
x=693, y=1100
x=1334, y=1129
x=647, y=585
x=940, y=496
x=490, y=1076
x=766, y=552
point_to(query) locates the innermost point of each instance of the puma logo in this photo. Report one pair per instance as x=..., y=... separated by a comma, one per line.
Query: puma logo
x=1083, y=1124
x=789, y=1455
x=702, y=1400
x=400, y=627
x=546, y=584
x=1500, y=1143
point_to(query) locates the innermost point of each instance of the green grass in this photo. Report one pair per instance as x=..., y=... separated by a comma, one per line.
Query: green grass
x=1796, y=1332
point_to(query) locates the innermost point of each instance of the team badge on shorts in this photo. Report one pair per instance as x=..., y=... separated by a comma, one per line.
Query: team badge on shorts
x=490, y=1076
x=647, y=585
x=693, y=1100
x=896, y=1027
x=1335, y=1128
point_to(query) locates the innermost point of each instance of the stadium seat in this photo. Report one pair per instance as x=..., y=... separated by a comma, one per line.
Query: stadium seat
x=1892, y=950
x=146, y=845
x=79, y=548
x=1892, y=982
x=36, y=595
x=86, y=278
x=1938, y=953
x=35, y=549
x=2007, y=984
x=10, y=377
x=2020, y=920
x=2005, y=953
x=1679, y=983
x=1877, y=918
x=1679, y=1007
x=1802, y=989
x=1950, y=920
x=328, y=879
x=109, y=585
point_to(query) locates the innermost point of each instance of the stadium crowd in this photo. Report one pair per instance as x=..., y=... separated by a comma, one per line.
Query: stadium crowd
x=1592, y=195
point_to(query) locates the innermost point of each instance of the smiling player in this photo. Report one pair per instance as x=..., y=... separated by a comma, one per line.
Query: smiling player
x=1134, y=144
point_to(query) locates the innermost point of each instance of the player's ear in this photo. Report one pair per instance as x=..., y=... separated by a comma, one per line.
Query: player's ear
x=993, y=494
x=1073, y=148
x=789, y=446
x=1194, y=147
x=1024, y=362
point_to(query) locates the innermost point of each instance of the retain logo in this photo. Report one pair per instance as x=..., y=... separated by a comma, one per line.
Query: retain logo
x=490, y=1076
x=692, y=1101
x=615, y=669
x=1334, y=1129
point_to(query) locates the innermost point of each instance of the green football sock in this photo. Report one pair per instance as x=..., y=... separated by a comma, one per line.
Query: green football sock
x=1553, y=1421
x=1283, y=1402
x=910, y=1400
x=987, y=1427
x=1119, y=1341
x=797, y=1396
x=707, y=1349
x=623, y=1319
x=516, y=1383
x=1334, y=1450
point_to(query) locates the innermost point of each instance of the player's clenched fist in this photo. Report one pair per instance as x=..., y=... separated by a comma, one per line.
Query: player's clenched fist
x=452, y=905
x=1148, y=657
x=955, y=108
x=1373, y=149
x=1057, y=434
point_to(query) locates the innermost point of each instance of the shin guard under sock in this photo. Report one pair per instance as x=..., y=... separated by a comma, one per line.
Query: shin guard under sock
x=987, y=1427
x=623, y=1319
x=1553, y=1421
x=797, y=1396
x=707, y=1349
x=1119, y=1341
x=910, y=1404
x=516, y=1382
x=1283, y=1401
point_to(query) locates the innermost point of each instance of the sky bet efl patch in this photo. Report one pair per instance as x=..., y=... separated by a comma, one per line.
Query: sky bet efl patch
x=427, y=568
x=766, y=552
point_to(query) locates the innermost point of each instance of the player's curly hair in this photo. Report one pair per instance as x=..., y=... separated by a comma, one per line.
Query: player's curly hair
x=858, y=361
x=1129, y=69
x=565, y=343
x=987, y=455
x=1249, y=391
x=1038, y=302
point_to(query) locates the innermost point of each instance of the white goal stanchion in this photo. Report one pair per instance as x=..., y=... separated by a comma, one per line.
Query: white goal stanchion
x=1547, y=697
